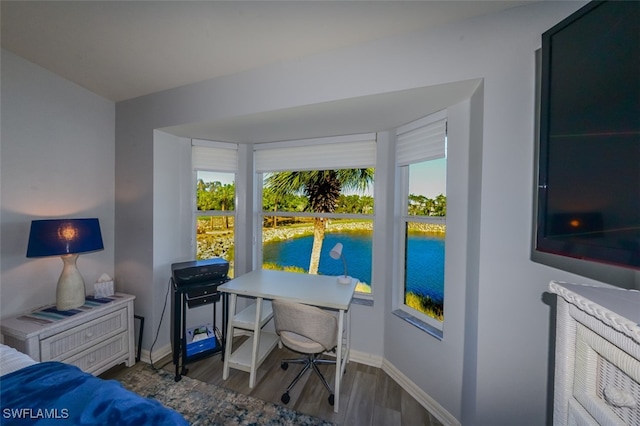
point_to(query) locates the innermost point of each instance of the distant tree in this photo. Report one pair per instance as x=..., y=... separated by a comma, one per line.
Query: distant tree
x=424, y=206
x=215, y=196
x=440, y=207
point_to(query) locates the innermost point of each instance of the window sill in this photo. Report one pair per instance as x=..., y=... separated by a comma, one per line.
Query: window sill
x=362, y=300
x=419, y=323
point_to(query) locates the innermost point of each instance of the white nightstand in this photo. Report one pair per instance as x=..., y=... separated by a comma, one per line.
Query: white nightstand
x=97, y=338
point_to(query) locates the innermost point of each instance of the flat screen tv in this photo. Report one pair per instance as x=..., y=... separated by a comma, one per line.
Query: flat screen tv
x=588, y=204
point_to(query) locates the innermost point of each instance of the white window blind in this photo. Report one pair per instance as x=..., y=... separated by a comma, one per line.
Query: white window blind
x=214, y=156
x=354, y=151
x=422, y=140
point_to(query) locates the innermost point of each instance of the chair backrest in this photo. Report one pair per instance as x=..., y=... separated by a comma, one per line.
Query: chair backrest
x=308, y=321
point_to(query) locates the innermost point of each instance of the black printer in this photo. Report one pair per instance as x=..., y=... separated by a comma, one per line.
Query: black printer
x=200, y=271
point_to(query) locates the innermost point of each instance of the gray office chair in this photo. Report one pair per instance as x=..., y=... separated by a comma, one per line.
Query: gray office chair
x=308, y=330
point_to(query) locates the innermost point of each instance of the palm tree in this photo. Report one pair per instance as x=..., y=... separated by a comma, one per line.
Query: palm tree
x=322, y=189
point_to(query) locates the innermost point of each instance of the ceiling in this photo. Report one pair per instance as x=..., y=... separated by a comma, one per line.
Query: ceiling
x=125, y=49
x=365, y=114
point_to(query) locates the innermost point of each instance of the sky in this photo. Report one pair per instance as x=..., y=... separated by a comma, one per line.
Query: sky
x=428, y=179
x=223, y=178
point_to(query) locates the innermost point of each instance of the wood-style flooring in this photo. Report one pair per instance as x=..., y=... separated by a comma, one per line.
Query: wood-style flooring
x=368, y=396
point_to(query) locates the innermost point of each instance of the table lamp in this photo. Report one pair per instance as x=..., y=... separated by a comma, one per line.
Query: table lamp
x=336, y=253
x=66, y=238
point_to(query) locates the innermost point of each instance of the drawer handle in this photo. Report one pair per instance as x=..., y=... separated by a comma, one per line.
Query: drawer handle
x=618, y=397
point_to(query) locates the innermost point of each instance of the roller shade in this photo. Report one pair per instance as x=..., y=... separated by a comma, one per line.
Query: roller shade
x=344, y=152
x=214, y=156
x=422, y=140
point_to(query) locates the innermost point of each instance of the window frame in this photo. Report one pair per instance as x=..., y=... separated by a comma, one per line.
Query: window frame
x=229, y=167
x=405, y=218
x=413, y=316
x=321, y=148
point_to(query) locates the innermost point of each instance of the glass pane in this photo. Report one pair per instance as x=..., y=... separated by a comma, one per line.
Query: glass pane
x=425, y=242
x=428, y=188
x=288, y=244
x=215, y=192
x=303, y=243
x=215, y=238
x=320, y=191
x=424, y=270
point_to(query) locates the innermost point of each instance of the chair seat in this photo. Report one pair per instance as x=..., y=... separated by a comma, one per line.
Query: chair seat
x=300, y=343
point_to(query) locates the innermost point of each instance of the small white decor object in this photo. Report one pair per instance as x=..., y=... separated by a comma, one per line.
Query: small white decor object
x=104, y=286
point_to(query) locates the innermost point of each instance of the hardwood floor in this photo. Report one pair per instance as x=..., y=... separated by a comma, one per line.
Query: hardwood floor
x=368, y=395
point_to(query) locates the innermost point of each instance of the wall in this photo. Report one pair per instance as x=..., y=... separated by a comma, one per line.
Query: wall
x=499, y=341
x=51, y=127
x=57, y=158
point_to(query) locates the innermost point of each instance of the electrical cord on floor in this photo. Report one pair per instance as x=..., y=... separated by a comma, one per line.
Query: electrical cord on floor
x=166, y=297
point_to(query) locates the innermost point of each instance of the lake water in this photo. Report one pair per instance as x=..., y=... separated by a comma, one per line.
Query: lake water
x=425, y=268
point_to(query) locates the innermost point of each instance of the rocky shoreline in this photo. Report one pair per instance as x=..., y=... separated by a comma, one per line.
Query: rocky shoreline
x=219, y=244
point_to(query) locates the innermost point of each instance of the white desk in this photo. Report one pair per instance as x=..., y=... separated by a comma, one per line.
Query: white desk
x=317, y=290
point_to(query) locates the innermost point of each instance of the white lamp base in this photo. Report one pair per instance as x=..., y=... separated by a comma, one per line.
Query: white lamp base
x=70, y=292
x=344, y=279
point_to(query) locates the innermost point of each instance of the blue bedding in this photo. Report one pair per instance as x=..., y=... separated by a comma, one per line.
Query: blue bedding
x=61, y=394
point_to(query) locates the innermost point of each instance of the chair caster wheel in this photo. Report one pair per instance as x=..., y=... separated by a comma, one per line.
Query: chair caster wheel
x=284, y=366
x=286, y=398
x=331, y=399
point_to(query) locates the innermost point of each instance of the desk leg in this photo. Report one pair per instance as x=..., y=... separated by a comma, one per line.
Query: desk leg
x=225, y=320
x=347, y=339
x=256, y=344
x=339, y=362
x=231, y=309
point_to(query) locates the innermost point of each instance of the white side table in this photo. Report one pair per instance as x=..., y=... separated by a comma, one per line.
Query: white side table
x=96, y=338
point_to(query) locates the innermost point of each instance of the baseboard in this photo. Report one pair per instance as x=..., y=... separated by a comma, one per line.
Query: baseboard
x=158, y=354
x=421, y=396
x=365, y=358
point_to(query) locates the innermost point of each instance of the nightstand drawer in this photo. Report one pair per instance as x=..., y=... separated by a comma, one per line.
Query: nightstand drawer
x=606, y=379
x=66, y=344
x=102, y=354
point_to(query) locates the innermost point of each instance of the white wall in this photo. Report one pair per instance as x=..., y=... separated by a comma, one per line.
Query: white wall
x=173, y=238
x=57, y=158
x=500, y=340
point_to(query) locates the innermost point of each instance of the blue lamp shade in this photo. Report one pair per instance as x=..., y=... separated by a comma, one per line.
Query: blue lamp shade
x=57, y=237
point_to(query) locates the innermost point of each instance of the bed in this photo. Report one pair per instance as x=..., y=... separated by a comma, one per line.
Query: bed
x=40, y=393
